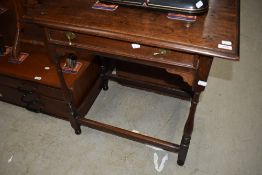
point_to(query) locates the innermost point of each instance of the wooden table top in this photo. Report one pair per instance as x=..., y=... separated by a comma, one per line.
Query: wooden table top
x=149, y=27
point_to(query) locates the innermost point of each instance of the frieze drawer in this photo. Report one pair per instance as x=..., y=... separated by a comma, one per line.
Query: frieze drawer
x=139, y=53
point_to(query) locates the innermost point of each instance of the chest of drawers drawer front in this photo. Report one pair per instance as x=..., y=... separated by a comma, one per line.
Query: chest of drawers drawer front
x=27, y=86
x=11, y=95
x=34, y=102
x=79, y=83
x=154, y=55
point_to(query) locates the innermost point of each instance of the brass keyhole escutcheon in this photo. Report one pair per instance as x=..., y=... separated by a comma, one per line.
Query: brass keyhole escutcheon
x=70, y=36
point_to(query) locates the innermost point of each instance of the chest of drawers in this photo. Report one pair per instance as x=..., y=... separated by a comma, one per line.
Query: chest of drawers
x=33, y=84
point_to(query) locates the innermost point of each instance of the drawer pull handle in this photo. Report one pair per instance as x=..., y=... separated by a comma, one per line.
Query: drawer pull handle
x=34, y=106
x=26, y=89
x=28, y=98
x=161, y=52
x=70, y=36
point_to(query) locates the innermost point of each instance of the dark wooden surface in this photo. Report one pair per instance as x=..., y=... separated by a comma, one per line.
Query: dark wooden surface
x=148, y=27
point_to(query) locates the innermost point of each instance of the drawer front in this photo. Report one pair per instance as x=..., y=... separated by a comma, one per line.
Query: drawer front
x=34, y=102
x=53, y=107
x=144, y=54
x=27, y=86
x=11, y=95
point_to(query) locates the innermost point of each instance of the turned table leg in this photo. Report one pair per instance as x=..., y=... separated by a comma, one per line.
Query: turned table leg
x=68, y=97
x=66, y=91
x=104, y=69
x=73, y=120
x=202, y=73
x=188, y=129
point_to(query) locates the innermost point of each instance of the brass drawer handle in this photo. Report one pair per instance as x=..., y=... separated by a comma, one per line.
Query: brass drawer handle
x=34, y=106
x=161, y=52
x=26, y=91
x=28, y=98
x=70, y=36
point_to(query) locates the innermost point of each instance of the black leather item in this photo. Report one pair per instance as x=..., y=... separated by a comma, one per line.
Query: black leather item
x=71, y=60
x=184, y=6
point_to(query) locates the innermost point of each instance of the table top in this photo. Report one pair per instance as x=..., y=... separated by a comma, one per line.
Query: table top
x=150, y=27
